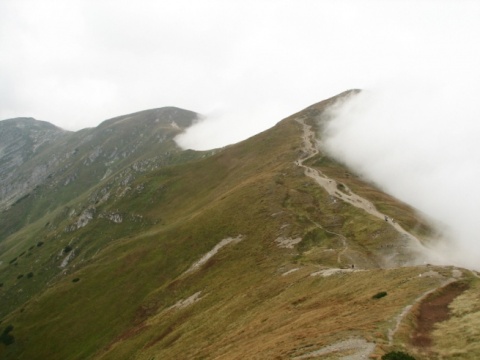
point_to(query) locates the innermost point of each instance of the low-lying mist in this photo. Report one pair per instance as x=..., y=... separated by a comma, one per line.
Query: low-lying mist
x=225, y=126
x=420, y=144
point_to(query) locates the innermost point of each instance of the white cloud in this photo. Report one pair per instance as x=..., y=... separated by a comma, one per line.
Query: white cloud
x=76, y=63
x=419, y=143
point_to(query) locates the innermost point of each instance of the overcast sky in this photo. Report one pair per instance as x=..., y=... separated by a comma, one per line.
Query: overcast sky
x=243, y=64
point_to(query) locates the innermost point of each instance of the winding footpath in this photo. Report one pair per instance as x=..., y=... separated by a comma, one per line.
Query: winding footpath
x=360, y=347
x=330, y=185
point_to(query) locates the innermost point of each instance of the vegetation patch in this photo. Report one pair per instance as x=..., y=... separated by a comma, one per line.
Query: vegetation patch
x=313, y=238
x=7, y=338
x=379, y=295
x=342, y=188
x=397, y=355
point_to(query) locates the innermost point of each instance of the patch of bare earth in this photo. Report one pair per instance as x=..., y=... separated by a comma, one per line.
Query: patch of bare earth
x=433, y=309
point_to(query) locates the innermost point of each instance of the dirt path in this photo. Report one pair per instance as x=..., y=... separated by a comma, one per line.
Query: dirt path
x=433, y=309
x=310, y=149
x=360, y=347
x=398, y=320
x=442, y=306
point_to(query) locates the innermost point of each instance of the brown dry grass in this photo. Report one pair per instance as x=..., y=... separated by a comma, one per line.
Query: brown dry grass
x=121, y=307
x=279, y=317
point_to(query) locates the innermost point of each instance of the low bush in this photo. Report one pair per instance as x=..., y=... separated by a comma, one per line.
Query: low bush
x=379, y=295
x=397, y=355
x=6, y=337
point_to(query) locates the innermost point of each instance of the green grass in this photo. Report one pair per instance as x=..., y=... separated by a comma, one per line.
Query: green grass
x=114, y=300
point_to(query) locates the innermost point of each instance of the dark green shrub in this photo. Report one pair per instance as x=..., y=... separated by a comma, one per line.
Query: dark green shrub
x=30, y=275
x=67, y=249
x=40, y=243
x=6, y=337
x=20, y=276
x=76, y=280
x=397, y=355
x=379, y=295
x=8, y=329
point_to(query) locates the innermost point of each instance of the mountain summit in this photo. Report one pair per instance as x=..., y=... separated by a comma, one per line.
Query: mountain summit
x=129, y=247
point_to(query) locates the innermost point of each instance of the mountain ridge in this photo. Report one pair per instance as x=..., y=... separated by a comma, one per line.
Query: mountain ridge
x=78, y=160
x=235, y=253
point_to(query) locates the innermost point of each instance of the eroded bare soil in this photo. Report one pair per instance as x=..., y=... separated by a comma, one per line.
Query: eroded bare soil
x=434, y=309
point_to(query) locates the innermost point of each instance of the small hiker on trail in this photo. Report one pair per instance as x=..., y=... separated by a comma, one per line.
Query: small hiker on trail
x=386, y=218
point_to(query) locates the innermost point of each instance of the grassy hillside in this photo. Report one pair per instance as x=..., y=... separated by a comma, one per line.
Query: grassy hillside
x=66, y=168
x=237, y=254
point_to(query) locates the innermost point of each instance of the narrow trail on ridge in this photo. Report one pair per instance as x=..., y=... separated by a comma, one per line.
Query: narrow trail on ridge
x=330, y=185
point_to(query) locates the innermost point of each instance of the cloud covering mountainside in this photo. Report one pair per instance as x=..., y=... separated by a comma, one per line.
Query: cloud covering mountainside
x=421, y=145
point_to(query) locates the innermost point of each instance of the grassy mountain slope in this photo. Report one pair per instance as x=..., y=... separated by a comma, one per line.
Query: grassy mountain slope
x=75, y=162
x=237, y=254
x=21, y=140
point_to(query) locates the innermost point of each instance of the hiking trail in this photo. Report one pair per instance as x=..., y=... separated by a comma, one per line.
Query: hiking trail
x=330, y=185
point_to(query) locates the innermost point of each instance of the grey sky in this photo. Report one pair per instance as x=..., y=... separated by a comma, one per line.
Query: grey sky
x=245, y=65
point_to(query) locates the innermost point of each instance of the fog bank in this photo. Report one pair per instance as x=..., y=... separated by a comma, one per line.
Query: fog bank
x=420, y=144
x=225, y=125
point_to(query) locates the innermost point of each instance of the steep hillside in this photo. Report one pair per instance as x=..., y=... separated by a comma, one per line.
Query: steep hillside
x=22, y=140
x=64, y=167
x=266, y=249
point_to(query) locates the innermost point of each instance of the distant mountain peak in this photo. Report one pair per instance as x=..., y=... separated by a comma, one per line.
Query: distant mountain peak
x=169, y=115
x=28, y=123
